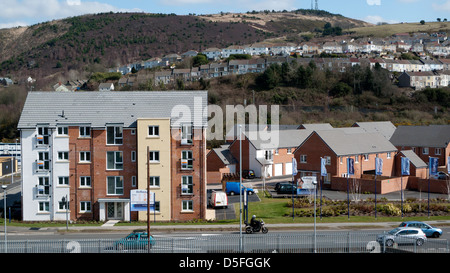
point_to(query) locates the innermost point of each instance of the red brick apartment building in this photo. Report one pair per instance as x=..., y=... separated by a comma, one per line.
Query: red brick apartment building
x=91, y=148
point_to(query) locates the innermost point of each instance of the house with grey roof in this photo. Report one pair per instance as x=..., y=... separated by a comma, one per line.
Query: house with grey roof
x=95, y=148
x=339, y=144
x=385, y=128
x=426, y=141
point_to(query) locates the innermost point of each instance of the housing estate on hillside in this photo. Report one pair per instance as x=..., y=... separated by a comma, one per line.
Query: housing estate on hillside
x=93, y=148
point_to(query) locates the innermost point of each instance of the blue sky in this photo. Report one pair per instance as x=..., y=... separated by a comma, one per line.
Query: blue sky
x=27, y=12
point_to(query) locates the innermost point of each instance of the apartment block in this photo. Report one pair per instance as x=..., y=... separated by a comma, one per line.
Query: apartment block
x=93, y=148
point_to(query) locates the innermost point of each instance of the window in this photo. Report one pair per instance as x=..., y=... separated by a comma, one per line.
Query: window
x=153, y=131
x=133, y=156
x=276, y=151
x=437, y=151
x=114, y=161
x=186, y=160
x=186, y=134
x=154, y=156
x=44, y=206
x=85, y=181
x=43, y=136
x=63, y=156
x=114, y=135
x=425, y=151
x=157, y=206
x=63, y=131
x=63, y=180
x=187, y=205
x=43, y=161
x=85, y=156
x=356, y=159
x=85, y=131
x=43, y=185
x=187, y=184
x=154, y=181
x=115, y=185
x=289, y=150
x=62, y=205
x=85, y=206
x=328, y=160
x=302, y=158
x=133, y=181
x=133, y=131
x=366, y=157
x=388, y=155
x=268, y=155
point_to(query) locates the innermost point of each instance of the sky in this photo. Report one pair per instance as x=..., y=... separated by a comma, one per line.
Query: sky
x=29, y=12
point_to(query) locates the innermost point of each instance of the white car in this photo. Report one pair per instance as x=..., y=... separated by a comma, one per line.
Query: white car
x=402, y=235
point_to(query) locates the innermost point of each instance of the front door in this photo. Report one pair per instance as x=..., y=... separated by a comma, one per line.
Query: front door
x=115, y=211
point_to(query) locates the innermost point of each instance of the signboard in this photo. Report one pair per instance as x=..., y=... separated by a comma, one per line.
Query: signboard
x=434, y=165
x=405, y=166
x=350, y=166
x=294, y=166
x=139, y=200
x=306, y=185
x=378, y=166
x=323, y=168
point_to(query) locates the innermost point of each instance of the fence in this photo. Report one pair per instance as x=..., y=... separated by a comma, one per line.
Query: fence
x=321, y=242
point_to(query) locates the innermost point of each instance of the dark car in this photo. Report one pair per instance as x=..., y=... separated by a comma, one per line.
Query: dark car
x=248, y=174
x=288, y=188
x=135, y=240
x=426, y=228
x=440, y=175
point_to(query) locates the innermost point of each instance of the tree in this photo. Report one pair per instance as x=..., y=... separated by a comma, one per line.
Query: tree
x=422, y=22
x=199, y=60
x=341, y=89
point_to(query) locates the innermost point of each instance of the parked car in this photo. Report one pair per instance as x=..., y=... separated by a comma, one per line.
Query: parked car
x=440, y=175
x=248, y=174
x=134, y=240
x=285, y=188
x=402, y=235
x=426, y=228
x=218, y=199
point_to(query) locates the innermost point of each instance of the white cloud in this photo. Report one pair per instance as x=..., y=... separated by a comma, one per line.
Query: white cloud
x=374, y=19
x=443, y=7
x=44, y=10
x=13, y=24
x=373, y=2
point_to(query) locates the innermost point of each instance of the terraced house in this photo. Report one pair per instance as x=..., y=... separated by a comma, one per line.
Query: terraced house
x=93, y=148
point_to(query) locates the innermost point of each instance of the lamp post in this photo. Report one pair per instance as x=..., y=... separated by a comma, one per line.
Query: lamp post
x=315, y=236
x=4, y=212
x=240, y=189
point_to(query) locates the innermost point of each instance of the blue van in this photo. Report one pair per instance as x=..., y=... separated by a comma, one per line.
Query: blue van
x=232, y=188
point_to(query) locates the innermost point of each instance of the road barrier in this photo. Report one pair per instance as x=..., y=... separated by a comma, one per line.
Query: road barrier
x=320, y=242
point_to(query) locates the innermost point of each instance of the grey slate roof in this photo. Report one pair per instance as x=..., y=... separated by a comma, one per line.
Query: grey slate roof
x=101, y=108
x=414, y=159
x=386, y=128
x=436, y=136
x=355, y=141
x=225, y=155
x=277, y=139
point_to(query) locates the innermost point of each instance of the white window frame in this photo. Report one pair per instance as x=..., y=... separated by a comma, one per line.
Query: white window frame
x=44, y=206
x=388, y=155
x=187, y=134
x=187, y=185
x=118, y=165
x=187, y=156
x=153, y=131
x=155, y=181
x=425, y=150
x=187, y=205
x=62, y=131
x=133, y=181
x=85, y=182
x=84, y=157
x=118, y=189
x=133, y=156
x=327, y=160
x=63, y=181
x=63, y=156
x=44, y=182
x=83, y=131
x=45, y=158
x=303, y=159
x=437, y=151
x=366, y=157
x=117, y=137
x=154, y=157
x=85, y=206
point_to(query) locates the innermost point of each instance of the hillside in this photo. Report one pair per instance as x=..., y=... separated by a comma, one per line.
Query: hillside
x=391, y=29
x=93, y=42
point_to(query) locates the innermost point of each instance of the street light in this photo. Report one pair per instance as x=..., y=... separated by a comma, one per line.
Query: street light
x=240, y=189
x=315, y=192
x=4, y=212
